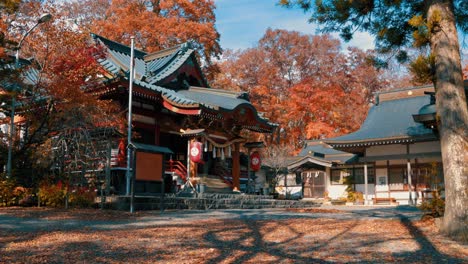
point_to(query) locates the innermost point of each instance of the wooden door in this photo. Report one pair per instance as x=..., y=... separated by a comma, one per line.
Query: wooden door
x=314, y=184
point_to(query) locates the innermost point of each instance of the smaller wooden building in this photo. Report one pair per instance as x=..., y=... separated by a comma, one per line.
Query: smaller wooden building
x=394, y=157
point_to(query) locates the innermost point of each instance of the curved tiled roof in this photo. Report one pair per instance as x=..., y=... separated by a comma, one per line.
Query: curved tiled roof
x=150, y=69
x=215, y=98
x=318, y=149
x=29, y=75
x=160, y=68
x=389, y=122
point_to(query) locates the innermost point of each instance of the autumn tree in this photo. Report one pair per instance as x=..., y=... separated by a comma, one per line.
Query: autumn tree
x=430, y=24
x=277, y=157
x=156, y=24
x=304, y=83
x=56, y=102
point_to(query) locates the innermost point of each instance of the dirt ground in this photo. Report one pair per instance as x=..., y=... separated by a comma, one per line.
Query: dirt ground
x=41, y=235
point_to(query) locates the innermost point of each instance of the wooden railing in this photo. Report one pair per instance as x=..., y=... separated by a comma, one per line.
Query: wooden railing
x=223, y=174
x=177, y=168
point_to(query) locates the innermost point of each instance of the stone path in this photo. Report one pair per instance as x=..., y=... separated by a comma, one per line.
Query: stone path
x=152, y=218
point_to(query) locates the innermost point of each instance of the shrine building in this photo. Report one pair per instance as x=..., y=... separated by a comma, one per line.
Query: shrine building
x=173, y=106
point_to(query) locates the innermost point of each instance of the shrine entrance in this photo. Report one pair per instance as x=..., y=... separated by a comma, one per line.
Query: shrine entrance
x=314, y=184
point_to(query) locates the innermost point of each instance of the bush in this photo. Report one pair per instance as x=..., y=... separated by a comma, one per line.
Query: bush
x=435, y=206
x=28, y=199
x=51, y=194
x=11, y=194
x=82, y=198
x=7, y=192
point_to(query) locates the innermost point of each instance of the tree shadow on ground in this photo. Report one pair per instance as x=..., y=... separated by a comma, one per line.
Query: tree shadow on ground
x=247, y=238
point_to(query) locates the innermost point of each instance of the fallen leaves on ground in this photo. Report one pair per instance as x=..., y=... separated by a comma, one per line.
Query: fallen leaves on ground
x=295, y=240
x=316, y=210
x=71, y=214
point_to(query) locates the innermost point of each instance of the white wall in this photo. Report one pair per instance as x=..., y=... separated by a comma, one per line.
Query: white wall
x=396, y=149
x=425, y=147
x=295, y=192
x=370, y=190
x=385, y=150
x=403, y=197
x=336, y=191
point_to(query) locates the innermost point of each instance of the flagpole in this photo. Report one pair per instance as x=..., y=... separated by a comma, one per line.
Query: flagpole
x=129, y=125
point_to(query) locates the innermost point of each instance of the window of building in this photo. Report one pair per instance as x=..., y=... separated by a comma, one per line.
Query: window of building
x=359, y=175
x=339, y=176
x=428, y=175
x=396, y=175
x=336, y=176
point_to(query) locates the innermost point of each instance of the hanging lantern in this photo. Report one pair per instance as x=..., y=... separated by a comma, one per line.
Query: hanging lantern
x=222, y=154
x=214, y=152
x=206, y=146
x=196, y=151
x=255, y=161
x=229, y=151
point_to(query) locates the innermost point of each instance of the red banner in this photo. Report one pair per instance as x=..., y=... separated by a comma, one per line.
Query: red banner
x=255, y=161
x=196, y=153
x=121, y=155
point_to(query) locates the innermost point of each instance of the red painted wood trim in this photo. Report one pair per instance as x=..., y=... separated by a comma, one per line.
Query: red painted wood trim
x=180, y=110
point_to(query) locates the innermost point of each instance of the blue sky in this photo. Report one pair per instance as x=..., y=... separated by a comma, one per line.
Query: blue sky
x=242, y=23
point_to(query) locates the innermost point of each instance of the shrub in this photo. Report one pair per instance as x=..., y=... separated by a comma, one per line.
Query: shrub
x=358, y=197
x=82, y=198
x=10, y=193
x=51, y=194
x=28, y=199
x=435, y=206
x=7, y=192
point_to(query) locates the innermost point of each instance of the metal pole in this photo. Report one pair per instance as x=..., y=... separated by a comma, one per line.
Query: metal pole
x=44, y=18
x=248, y=170
x=188, y=164
x=129, y=131
x=132, y=195
x=11, y=135
x=12, y=112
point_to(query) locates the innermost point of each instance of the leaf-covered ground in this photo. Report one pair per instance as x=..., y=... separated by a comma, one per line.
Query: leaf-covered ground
x=119, y=237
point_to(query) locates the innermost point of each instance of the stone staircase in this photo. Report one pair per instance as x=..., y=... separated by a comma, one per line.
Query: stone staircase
x=214, y=184
x=206, y=201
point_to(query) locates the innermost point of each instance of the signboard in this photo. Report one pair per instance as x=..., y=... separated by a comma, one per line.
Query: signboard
x=149, y=166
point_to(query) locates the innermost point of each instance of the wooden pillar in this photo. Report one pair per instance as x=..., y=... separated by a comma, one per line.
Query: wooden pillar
x=157, y=130
x=366, y=190
x=410, y=185
x=188, y=160
x=388, y=180
x=236, y=168
x=108, y=169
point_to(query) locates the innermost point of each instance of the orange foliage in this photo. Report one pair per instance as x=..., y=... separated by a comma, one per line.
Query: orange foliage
x=303, y=82
x=155, y=24
x=66, y=61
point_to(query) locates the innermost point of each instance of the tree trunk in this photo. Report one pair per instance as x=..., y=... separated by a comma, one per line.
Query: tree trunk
x=452, y=116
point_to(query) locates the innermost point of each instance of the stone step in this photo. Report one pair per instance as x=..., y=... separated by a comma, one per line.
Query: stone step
x=234, y=196
x=154, y=203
